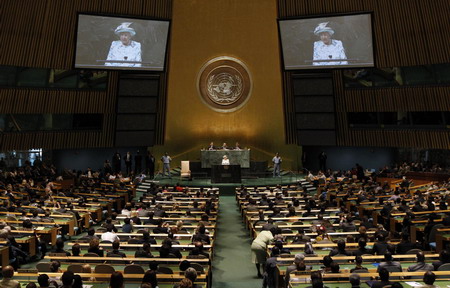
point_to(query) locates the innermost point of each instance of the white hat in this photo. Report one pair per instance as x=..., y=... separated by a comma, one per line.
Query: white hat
x=125, y=27
x=322, y=27
x=224, y=156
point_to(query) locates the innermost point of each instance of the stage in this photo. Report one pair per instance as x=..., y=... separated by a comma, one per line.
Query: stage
x=228, y=188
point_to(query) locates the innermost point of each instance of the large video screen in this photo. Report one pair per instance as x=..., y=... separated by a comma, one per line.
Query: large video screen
x=327, y=42
x=105, y=42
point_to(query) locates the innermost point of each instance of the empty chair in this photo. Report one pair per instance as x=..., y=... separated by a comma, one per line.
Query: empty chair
x=75, y=268
x=43, y=267
x=133, y=269
x=185, y=172
x=164, y=270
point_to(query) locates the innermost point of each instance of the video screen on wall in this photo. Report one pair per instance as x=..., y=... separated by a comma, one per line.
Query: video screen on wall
x=327, y=42
x=105, y=42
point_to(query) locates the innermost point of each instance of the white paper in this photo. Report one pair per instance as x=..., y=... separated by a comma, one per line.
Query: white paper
x=413, y=284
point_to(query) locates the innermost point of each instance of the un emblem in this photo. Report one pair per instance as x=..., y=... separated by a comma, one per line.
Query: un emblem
x=224, y=84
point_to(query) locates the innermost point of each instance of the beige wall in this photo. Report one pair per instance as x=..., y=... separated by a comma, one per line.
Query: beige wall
x=244, y=29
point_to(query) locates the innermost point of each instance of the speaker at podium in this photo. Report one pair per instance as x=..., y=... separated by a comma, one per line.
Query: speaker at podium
x=226, y=174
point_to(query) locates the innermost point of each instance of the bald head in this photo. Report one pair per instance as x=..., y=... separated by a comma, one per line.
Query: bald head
x=8, y=272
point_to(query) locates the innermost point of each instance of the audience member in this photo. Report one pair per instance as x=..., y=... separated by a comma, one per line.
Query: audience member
x=7, y=281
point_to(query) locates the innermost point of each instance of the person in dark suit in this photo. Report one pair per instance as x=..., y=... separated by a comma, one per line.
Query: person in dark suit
x=199, y=250
x=94, y=247
x=150, y=165
x=362, y=248
x=405, y=245
x=384, y=279
x=115, y=252
x=380, y=247
x=340, y=250
x=323, y=161
x=167, y=250
x=444, y=257
x=389, y=263
x=201, y=236
x=297, y=266
x=211, y=146
x=144, y=251
x=358, y=265
x=355, y=280
x=117, y=162
x=128, y=161
x=420, y=265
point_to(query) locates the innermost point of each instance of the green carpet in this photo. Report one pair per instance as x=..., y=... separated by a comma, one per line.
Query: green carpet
x=232, y=265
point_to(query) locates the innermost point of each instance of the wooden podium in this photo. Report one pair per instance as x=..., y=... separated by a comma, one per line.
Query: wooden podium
x=226, y=174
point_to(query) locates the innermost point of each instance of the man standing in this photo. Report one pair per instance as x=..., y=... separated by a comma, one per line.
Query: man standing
x=323, y=161
x=127, y=160
x=117, y=162
x=276, y=165
x=150, y=164
x=166, y=164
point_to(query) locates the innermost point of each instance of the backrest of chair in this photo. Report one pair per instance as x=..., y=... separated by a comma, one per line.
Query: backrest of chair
x=91, y=254
x=133, y=269
x=104, y=269
x=57, y=254
x=164, y=270
x=196, y=257
x=134, y=241
x=75, y=268
x=413, y=251
x=43, y=267
x=444, y=267
x=184, y=166
x=432, y=236
x=393, y=269
x=199, y=268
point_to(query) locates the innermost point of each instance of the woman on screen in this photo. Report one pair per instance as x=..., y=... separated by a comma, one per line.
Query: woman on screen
x=327, y=48
x=124, y=49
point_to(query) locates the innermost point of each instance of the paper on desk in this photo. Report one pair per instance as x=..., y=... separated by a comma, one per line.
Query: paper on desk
x=40, y=228
x=87, y=286
x=413, y=283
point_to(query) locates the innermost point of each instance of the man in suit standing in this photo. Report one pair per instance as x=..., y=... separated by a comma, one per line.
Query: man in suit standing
x=117, y=162
x=128, y=160
x=150, y=165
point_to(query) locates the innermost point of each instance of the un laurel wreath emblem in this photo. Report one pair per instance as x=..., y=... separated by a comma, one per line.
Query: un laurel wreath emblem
x=224, y=84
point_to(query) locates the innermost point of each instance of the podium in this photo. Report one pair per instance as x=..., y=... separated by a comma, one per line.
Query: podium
x=226, y=174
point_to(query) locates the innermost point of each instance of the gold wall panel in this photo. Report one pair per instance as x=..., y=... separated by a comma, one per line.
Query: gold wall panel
x=246, y=30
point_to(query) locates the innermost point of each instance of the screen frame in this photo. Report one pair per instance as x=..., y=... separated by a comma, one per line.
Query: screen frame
x=118, y=68
x=325, y=67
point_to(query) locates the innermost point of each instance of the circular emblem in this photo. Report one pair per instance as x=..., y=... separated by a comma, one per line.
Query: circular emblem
x=224, y=84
